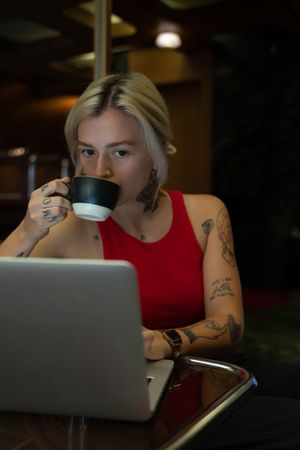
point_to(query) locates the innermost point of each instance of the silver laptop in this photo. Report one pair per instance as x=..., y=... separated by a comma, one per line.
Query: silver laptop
x=71, y=340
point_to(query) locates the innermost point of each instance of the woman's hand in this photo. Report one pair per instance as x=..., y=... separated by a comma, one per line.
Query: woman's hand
x=155, y=346
x=47, y=206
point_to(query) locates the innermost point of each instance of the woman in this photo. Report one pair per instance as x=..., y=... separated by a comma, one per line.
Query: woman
x=181, y=245
x=119, y=130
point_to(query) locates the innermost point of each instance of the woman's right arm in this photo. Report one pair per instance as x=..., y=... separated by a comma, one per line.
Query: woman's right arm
x=47, y=207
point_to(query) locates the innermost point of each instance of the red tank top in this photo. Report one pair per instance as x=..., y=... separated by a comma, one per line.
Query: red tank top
x=169, y=270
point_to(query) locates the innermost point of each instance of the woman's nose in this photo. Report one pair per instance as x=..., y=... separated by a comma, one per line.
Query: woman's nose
x=108, y=173
x=103, y=170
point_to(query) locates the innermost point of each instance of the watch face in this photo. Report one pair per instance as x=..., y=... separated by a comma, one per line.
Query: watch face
x=175, y=338
x=173, y=334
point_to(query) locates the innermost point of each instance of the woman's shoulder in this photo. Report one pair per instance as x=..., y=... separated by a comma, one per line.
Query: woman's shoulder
x=203, y=204
x=204, y=211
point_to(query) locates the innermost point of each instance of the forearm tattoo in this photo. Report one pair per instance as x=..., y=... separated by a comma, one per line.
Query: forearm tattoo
x=215, y=330
x=221, y=288
x=234, y=329
x=225, y=236
x=208, y=225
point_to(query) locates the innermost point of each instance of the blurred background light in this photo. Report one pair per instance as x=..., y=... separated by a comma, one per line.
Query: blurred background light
x=168, y=39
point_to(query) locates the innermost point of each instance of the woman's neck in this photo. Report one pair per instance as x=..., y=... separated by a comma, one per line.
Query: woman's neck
x=144, y=225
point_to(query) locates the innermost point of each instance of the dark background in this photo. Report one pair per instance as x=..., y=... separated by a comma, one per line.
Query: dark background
x=256, y=148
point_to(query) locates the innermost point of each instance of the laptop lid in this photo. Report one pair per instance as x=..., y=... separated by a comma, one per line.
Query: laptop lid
x=71, y=341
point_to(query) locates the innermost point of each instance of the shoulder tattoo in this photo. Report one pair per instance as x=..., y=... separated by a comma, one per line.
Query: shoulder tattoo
x=208, y=225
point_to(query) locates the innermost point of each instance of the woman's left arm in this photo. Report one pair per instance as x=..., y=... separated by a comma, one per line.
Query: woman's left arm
x=222, y=329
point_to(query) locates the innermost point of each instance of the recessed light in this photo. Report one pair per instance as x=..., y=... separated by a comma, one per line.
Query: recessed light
x=168, y=39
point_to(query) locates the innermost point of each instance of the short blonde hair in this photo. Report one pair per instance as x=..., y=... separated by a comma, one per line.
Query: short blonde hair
x=136, y=95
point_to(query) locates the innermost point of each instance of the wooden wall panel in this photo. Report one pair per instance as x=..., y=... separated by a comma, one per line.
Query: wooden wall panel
x=185, y=82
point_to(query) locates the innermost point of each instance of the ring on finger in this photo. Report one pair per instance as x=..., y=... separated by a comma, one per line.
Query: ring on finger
x=46, y=201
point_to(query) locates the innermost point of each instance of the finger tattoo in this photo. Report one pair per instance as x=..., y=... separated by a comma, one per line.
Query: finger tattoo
x=46, y=213
x=43, y=188
x=53, y=219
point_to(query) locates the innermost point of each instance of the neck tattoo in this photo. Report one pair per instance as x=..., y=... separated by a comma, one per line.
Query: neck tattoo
x=142, y=237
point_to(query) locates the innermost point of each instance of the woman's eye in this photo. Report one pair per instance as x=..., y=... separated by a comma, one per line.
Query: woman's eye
x=87, y=152
x=121, y=153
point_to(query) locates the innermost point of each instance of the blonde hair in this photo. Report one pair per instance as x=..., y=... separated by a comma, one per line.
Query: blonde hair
x=136, y=95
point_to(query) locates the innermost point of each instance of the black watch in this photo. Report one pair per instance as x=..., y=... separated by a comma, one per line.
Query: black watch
x=174, y=339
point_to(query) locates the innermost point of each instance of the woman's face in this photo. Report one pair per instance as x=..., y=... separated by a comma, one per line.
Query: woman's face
x=111, y=146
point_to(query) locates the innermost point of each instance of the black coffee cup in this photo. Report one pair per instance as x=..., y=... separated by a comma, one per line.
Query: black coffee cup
x=93, y=198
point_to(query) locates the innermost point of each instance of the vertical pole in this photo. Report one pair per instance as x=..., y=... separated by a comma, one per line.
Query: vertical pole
x=102, y=38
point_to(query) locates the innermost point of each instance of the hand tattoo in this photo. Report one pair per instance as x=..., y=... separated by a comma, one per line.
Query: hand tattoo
x=46, y=213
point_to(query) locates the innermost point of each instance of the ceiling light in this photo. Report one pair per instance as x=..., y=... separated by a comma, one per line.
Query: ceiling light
x=168, y=39
x=17, y=152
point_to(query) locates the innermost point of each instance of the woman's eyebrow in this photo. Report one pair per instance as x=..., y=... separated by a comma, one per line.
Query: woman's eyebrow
x=110, y=145
x=118, y=143
x=84, y=144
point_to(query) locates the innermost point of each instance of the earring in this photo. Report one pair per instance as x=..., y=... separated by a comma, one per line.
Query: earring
x=149, y=196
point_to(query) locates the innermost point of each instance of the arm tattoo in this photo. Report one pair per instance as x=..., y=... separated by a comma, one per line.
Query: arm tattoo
x=215, y=330
x=189, y=333
x=225, y=236
x=208, y=225
x=234, y=329
x=221, y=288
